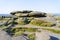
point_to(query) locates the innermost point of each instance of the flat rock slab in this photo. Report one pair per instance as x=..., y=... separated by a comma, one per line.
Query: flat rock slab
x=20, y=38
x=42, y=36
x=4, y=35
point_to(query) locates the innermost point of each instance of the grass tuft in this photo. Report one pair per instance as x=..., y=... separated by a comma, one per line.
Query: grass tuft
x=41, y=23
x=52, y=30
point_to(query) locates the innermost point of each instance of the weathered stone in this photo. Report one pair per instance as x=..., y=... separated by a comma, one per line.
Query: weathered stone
x=42, y=36
x=13, y=13
x=37, y=14
x=22, y=37
x=4, y=35
x=29, y=14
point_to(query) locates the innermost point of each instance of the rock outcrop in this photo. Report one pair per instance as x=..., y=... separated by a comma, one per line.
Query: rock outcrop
x=29, y=14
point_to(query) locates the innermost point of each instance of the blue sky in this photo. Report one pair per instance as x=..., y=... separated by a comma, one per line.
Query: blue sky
x=49, y=6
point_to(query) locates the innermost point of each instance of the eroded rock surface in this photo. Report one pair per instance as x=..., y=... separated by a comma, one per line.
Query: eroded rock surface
x=4, y=35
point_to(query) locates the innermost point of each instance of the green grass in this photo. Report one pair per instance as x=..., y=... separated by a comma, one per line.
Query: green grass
x=25, y=29
x=20, y=30
x=52, y=30
x=4, y=19
x=3, y=27
x=41, y=23
x=21, y=22
x=32, y=36
x=58, y=18
x=59, y=26
x=18, y=33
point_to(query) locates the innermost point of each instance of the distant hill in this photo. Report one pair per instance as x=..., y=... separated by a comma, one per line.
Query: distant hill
x=56, y=14
x=5, y=15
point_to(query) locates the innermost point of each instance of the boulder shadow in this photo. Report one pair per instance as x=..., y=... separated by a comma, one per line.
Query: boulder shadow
x=53, y=38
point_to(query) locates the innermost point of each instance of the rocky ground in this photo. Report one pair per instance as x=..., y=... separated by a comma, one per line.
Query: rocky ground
x=42, y=35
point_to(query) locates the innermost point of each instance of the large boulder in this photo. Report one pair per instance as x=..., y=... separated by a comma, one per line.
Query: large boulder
x=37, y=14
x=28, y=14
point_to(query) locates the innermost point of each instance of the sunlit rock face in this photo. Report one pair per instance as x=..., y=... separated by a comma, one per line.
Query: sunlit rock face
x=42, y=36
x=20, y=38
x=4, y=35
x=29, y=14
